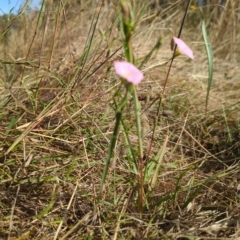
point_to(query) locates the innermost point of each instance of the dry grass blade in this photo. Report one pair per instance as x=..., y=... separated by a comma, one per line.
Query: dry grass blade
x=74, y=228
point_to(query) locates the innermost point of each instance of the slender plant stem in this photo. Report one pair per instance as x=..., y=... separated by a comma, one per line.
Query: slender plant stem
x=175, y=47
x=140, y=147
x=113, y=139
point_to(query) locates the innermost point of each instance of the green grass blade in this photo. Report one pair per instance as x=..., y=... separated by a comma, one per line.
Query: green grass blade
x=113, y=139
x=210, y=60
x=50, y=205
x=161, y=154
x=198, y=189
x=11, y=124
x=128, y=142
x=111, y=148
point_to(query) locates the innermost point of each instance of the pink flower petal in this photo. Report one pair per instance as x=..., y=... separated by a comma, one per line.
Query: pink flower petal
x=128, y=71
x=183, y=47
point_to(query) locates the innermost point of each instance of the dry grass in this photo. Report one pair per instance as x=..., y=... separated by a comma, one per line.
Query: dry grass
x=57, y=118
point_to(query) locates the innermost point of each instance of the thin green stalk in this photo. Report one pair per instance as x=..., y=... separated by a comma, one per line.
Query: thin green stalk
x=134, y=160
x=210, y=61
x=137, y=108
x=175, y=48
x=113, y=139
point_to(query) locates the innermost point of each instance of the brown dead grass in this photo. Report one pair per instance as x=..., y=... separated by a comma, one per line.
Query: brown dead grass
x=50, y=180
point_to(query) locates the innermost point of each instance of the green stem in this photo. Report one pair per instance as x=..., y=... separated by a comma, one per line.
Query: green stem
x=113, y=139
x=140, y=148
x=138, y=122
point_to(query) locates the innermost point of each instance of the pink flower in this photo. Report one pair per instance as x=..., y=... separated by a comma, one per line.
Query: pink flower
x=128, y=71
x=183, y=47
